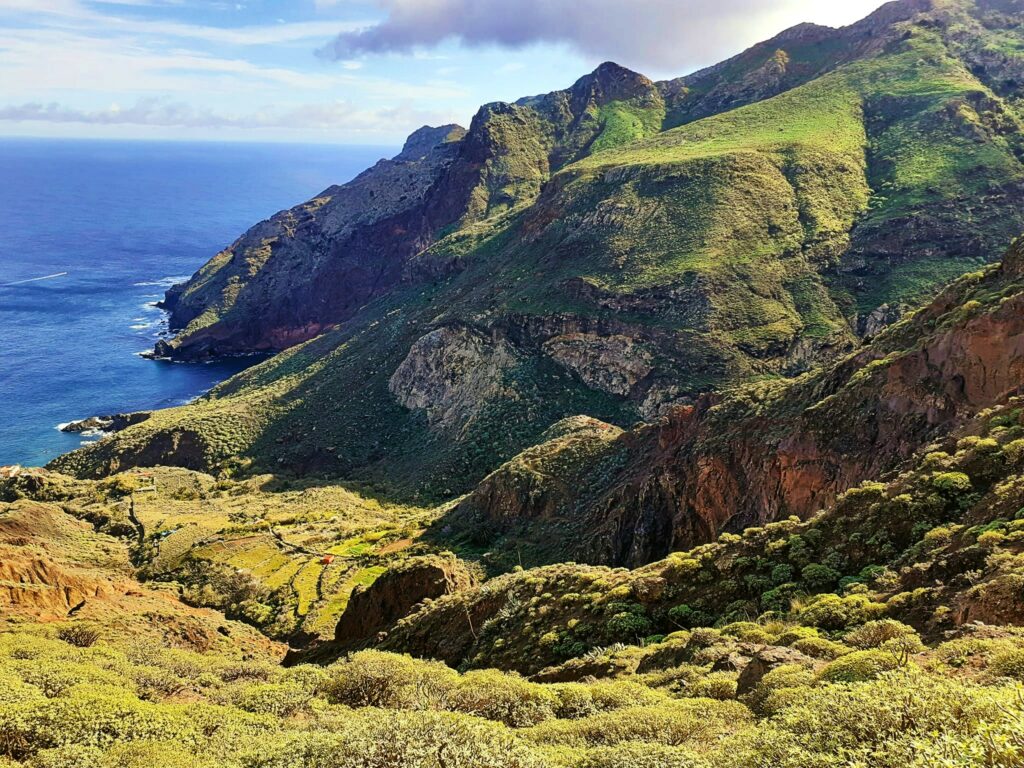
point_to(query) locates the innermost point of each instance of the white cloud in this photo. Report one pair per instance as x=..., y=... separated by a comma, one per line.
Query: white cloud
x=665, y=34
x=336, y=116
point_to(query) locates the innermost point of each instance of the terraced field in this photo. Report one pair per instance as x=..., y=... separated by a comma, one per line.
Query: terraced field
x=300, y=552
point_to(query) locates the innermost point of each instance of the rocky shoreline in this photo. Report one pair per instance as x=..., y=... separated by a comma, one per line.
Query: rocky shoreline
x=106, y=424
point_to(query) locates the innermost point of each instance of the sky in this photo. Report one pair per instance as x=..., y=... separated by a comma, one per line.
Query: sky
x=342, y=71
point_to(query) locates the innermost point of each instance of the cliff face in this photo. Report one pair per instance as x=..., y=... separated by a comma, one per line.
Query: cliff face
x=395, y=594
x=288, y=278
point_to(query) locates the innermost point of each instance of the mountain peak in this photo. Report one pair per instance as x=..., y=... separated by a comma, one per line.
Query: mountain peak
x=424, y=139
x=611, y=82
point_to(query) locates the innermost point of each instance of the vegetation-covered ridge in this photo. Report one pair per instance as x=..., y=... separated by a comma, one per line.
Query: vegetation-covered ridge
x=614, y=250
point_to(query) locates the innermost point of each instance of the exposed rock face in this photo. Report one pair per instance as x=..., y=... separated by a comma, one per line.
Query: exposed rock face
x=613, y=364
x=374, y=609
x=715, y=467
x=726, y=464
x=760, y=660
x=878, y=320
x=450, y=373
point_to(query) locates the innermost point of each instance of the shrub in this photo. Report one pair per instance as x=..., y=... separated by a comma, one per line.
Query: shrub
x=833, y=612
x=71, y=756
x=820, y=648
x=680, y=722
x=154, y=754
x=951, y=483
x=576, y=700
x=155, y=683
x=717, y=685
x=505, y=698
x=375, y=679
x=398, y=740
x=79, y=635
x=58, y=677
x=819, y=576
x=278, y=699
x=89, y=718
x=685, y=616
x=792, y=634
x=879, y=723
x=785, y=677
x=630, y=623
x=1008, y=663
x=859, y=666
x=637, y=755
x=874, y=634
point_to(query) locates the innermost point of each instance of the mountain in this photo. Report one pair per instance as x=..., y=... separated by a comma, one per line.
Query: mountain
x=580, y=255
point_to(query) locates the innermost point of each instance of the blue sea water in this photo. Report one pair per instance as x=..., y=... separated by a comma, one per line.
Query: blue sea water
x=117, y=223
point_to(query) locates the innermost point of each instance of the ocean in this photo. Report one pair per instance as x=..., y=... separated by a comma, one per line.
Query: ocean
x=91, y=234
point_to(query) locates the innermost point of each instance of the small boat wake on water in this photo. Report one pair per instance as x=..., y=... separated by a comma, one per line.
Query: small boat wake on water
x=33, y=279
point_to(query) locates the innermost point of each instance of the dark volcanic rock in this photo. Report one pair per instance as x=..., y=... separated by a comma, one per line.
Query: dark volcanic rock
x=114, y=423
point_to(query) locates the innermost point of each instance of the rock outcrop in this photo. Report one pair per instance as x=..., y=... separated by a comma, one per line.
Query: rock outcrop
x=113, y=423
x=767, y=453
x=613, y=364
x=372, y=610
x=450, y=373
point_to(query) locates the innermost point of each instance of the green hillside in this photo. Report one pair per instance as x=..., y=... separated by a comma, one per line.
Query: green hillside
x=748, y=244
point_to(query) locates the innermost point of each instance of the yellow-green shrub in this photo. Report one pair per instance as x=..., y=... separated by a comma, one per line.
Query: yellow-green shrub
x=505, y=698
x=859, y=666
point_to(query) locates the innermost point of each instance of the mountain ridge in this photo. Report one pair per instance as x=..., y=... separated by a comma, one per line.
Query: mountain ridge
x=617, y=283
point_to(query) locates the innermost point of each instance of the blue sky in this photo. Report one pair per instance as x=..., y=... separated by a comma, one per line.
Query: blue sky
x=341, y=71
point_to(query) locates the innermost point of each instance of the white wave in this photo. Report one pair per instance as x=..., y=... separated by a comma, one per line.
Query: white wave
x=164, y=282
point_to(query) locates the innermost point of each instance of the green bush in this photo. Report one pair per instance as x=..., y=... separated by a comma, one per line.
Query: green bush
x=1008, y=663
x=638, y=755
x=689, y=618
x=859, y=666
x=830, y=611
x=818, y=576
x=375, y=679
x=874, y=634
x=716, y=685
x=951, y=483
x=278, y=699
x=820, y=648
x=505, y=698
x=786, y=677
x=690, y=721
